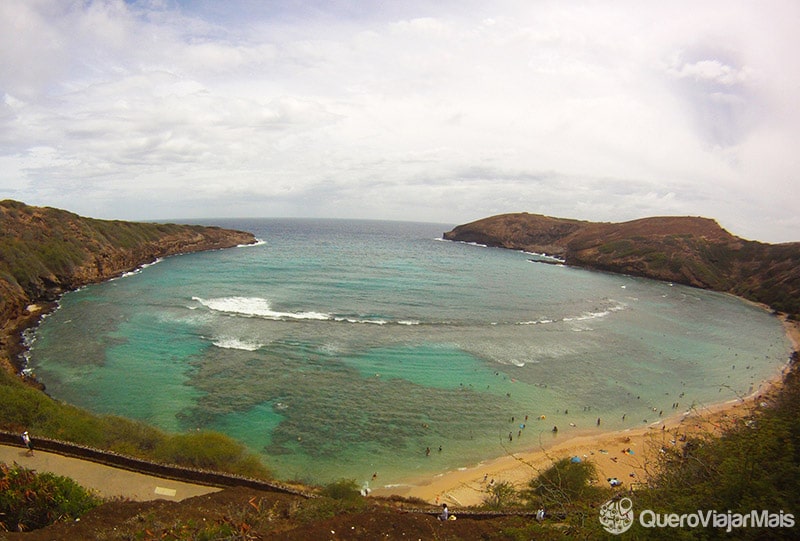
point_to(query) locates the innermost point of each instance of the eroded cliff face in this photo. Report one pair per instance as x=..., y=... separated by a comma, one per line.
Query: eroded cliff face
x=688, y=250
x=46, y=252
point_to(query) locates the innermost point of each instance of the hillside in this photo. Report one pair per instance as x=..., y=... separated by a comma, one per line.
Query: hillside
x=687, y=250
x=45, y=252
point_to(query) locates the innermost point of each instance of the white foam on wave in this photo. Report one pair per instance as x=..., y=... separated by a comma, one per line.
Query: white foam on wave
x=139, y=269
x=258, y=242
x=260, y=307
x=255, y=307
x=585, y=316
x=463, y=242
x=228, y=342
x=547, y=257
x=543, y=321
x=359, y=320
x=616, y=307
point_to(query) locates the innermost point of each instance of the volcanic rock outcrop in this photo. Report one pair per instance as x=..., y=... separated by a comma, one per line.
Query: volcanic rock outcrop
x=687, y=250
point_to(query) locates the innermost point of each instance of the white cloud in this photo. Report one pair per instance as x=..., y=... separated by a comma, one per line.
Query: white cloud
x=712, y=71
x=446, y=111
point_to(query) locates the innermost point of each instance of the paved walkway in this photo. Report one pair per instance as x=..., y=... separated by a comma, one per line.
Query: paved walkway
x=108, y=482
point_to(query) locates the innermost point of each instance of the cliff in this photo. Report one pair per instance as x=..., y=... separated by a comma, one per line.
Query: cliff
x=45, y=252
x=687, y=250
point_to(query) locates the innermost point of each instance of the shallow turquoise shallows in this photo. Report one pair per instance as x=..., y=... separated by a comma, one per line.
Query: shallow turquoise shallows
x=347, y=348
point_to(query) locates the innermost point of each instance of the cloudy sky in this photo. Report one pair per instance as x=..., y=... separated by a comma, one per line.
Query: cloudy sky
x=444, y=111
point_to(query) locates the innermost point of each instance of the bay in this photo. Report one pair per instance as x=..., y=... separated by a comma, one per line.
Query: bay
x=343, y=348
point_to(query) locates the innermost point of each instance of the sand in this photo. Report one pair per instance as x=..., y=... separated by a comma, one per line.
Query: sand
x=628, y=455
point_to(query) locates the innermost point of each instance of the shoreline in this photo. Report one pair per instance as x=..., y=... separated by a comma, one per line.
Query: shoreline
x=465, y=486
x=609, y=451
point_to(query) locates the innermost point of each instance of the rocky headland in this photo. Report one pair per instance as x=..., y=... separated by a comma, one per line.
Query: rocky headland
x=45, y=252
x=686, y=250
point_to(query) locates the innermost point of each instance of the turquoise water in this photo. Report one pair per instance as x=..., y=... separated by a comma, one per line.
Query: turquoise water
x=342, y=348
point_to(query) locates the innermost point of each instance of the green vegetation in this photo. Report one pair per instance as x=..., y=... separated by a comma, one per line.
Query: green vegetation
x=685, y=250
x=343, y=489
x=29, y=501
x=563, y=484
x=567, y=492
x=559, y=488
x=24, y=407
x=253, y=518
x=193, y=530
x=40, y=245
x=45, y=252
x=753, y=465
x=342, y=496
x=210, y=451
x=501, y=495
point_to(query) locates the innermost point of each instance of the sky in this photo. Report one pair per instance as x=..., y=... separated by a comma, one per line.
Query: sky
x=443, y=111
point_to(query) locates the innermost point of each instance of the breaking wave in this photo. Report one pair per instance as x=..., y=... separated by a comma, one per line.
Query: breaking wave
x=256, y=307
x=235, y=343
x=139, y=269
x=258, y=242
x=585, y=316
x=260, y=307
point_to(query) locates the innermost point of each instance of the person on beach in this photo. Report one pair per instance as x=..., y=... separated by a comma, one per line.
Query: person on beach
x=26, y=439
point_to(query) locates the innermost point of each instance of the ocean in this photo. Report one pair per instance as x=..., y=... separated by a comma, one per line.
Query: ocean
x=343, y=348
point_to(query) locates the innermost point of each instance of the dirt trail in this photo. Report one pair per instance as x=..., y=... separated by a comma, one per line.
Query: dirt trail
x=108, y=482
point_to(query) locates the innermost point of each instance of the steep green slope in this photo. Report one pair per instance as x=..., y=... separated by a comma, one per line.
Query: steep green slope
x=45, y=252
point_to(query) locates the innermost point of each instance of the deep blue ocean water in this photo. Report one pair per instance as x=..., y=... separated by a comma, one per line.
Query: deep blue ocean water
x=342, y=348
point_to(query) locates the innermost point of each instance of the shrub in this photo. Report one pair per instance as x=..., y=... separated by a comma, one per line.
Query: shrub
x=564, y=483
x=753, y=465
x=24, y=407
x=338, y=497
x=29, y=501
x=206, y=450
x=343, y=489
x=500, y=495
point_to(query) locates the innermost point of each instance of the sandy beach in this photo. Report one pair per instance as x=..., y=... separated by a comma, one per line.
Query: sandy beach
x=627, y=455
